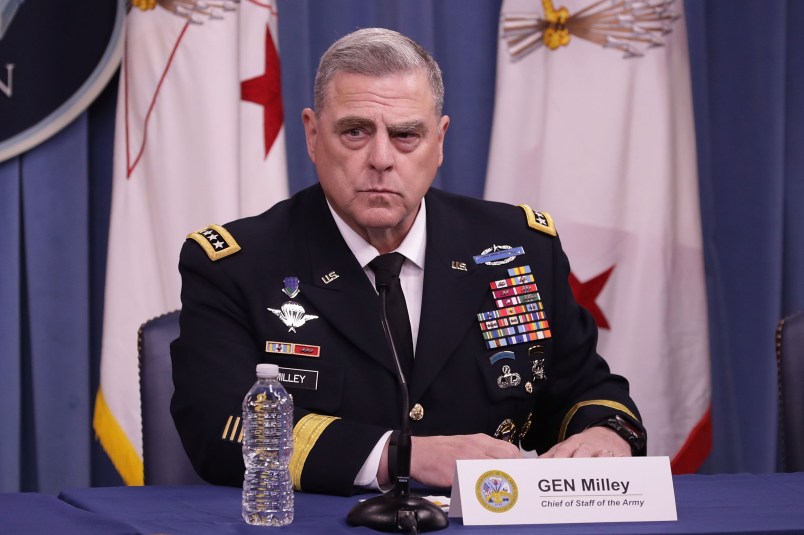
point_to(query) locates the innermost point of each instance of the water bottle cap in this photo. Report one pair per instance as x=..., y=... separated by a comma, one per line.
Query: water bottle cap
x=267, y=370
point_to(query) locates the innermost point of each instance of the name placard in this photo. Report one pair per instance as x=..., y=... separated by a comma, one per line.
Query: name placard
x=563, y=491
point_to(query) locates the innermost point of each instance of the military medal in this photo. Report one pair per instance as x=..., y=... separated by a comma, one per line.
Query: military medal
x=538, y=370
x=519, y=316
x=292, y=313
x=508, y=379
x=498, y=254
x=303, y=350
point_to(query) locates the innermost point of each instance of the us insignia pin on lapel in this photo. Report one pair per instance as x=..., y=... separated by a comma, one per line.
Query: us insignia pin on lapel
x=329, y=277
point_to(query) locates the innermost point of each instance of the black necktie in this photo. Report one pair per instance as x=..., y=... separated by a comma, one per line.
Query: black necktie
x=386, y=273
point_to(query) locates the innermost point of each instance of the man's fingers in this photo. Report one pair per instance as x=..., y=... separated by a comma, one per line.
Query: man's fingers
x=593, y=442
x=433, y=458
x=499, y=449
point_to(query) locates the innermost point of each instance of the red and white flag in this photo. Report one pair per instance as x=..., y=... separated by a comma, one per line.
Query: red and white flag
x=199, y=140
x=603, y=139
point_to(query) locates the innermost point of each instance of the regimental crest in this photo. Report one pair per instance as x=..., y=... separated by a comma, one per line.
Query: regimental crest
x=291, y=288
x=631, y=26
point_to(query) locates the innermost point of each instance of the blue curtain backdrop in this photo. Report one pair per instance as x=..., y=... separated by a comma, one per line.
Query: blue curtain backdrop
x=748, y=87
x=749, y=112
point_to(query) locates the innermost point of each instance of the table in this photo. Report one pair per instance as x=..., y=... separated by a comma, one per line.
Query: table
x=735, y=503
x=24, y=513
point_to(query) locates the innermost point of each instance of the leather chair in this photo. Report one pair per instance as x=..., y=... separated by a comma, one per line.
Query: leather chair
x=790, y=368
x=165, y=462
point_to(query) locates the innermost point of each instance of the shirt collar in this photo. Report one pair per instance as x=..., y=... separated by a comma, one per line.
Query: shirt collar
x=412, y=247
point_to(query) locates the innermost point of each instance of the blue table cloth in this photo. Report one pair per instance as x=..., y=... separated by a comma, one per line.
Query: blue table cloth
x=742, y=503
x=35, y=514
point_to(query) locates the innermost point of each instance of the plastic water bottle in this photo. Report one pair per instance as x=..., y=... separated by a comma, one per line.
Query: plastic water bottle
x=267, y=446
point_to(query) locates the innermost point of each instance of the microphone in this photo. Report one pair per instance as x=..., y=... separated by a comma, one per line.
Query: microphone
x=398, y=510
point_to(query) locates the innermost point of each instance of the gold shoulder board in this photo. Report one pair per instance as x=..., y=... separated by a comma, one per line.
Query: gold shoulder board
x=540, y=221
x=216, y=241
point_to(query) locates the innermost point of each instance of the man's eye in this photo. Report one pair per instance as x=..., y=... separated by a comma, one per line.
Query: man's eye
x=354, y=132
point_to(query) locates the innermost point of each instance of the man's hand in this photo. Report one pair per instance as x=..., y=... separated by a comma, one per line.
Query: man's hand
x=592, y=442
x=433, y=458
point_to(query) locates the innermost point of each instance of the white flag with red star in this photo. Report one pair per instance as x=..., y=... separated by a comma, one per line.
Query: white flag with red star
x=199, y=140
x=603, y=140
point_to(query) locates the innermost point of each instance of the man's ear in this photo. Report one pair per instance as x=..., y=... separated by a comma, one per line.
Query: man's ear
x=310, y=122
x=443, y=125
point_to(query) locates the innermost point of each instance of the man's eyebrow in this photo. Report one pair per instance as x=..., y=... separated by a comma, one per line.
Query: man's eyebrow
x=362, y=123
x=408, y=127
x=351, y=121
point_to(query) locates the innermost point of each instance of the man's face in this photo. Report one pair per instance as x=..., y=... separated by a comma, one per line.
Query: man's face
x=376, y=146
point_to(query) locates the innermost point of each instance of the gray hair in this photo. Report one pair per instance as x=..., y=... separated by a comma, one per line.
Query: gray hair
x=376, y=52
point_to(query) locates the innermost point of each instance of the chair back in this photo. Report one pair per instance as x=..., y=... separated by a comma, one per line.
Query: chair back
x=164, y=459
x=790, y=368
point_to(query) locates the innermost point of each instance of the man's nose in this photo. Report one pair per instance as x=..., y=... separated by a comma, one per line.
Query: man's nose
x=381, y=153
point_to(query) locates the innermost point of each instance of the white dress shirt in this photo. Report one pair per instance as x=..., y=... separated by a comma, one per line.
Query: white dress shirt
x=412, y=279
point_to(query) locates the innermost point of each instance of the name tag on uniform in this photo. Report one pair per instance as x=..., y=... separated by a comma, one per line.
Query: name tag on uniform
x=298, y=378
x=563, y=491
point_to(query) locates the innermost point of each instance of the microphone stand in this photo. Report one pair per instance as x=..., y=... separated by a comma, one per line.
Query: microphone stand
x=398, y=510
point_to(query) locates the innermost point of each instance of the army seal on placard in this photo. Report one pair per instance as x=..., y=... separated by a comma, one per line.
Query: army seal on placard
x=496, y=491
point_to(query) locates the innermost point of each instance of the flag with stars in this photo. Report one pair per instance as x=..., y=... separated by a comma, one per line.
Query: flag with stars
x=593, y=124
x=199, y=140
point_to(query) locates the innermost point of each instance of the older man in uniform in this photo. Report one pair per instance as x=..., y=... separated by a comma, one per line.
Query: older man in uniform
x=498, y=355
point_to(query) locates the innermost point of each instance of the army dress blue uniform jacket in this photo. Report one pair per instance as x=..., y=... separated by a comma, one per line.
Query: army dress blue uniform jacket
x=338, y=366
